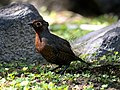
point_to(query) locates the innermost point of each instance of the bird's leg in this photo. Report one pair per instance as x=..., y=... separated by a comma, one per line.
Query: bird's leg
x=62, y=71
x=56, y=68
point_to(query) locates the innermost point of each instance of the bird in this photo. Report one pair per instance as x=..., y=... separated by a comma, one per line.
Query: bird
x=53, y=48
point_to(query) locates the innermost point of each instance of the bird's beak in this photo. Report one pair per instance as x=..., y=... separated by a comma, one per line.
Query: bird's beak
x=30, y=23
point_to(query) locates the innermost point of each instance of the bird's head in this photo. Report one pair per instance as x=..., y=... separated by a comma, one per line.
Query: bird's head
x=39, y=25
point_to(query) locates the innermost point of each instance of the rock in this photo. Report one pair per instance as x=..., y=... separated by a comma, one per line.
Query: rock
x=16, y=37
x=99, y=43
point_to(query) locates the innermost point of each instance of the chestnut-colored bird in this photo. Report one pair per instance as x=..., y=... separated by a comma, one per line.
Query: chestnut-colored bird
x=53, y=48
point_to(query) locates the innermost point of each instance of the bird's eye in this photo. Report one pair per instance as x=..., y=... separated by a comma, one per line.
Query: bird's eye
x=38, y=24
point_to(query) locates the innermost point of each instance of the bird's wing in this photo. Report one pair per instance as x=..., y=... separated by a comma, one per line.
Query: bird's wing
x=60, y=44
x=63, y=46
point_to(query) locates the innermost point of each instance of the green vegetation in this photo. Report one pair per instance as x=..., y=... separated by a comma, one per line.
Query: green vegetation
x=20, y=75
x=70, y=28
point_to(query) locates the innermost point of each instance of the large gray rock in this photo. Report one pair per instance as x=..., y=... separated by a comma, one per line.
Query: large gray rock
x=99, y=43
x=16, y=37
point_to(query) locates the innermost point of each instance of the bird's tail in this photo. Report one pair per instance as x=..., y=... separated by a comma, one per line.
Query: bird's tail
x=77, y=58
